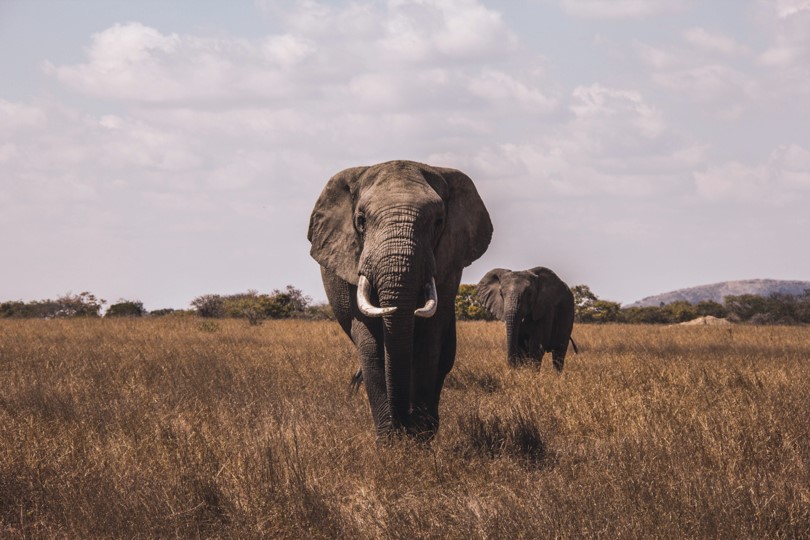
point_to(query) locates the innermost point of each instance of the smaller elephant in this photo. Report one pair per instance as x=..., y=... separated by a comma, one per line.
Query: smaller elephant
x=538, y=309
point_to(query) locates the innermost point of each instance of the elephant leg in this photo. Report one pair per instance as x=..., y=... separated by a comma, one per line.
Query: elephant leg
x=558, y=359
x=558, y=348
x=367, y=335
x=532, y=350
x=434, y=356
x=427, y=372
x=561, y=334
x=341, y=296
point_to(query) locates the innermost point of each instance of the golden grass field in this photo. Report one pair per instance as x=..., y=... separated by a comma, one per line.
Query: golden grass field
x=182, y=427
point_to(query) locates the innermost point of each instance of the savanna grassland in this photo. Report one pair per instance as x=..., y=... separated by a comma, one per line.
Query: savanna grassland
x=190, y=428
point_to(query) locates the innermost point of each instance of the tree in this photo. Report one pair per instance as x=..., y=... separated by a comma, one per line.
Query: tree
x=710, y=308
x=291, y=301
x=255, y=307
x=679, y=311
x=644, y=315
x=589, y=309
x=601, y=311
x=468, y=307
x=745, y=306
x=126, y=308
x=209, y=305
x=12, y=309
x=84, y=304
x=583, y=297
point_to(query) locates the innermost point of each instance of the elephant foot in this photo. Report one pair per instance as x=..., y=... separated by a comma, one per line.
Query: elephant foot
x=523, y=362
x=423, y=427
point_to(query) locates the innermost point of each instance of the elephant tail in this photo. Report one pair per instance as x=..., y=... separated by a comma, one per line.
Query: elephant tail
x=576, y=350
x=354, y=384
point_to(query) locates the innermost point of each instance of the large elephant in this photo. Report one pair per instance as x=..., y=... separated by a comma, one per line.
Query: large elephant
x=538, y=309
x=392, y=240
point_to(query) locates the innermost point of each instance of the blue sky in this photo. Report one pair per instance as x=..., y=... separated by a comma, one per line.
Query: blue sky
x=162, y=150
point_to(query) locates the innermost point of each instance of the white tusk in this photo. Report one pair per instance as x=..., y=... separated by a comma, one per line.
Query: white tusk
x=429, y=309
x=364, y=302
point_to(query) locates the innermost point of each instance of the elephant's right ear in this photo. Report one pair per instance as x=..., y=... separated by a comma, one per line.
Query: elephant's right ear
x=331, y=226
x=489, y=291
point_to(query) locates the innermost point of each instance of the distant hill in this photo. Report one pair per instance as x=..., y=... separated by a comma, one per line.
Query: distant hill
x=718, y=291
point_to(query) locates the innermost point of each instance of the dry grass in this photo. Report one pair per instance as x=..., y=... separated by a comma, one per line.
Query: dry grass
x=164, y=428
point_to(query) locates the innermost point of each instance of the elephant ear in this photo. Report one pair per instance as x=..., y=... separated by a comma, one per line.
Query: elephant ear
x=489, y=291
x=335, y=244
x=467, y=229
x=547, y=291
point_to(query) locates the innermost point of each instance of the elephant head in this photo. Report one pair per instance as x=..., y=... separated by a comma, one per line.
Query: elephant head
x=537, y=307
x=392, y=240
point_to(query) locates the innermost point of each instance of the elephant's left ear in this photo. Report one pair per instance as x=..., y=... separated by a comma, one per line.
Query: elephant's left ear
x=468, y=229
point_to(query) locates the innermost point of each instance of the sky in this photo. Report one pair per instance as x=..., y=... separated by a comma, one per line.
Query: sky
x=158, y=151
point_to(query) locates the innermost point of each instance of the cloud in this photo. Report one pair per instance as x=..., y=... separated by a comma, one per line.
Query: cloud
x=712, y=42
x=628, y=107
x=619, y=9
x=321, y=48
x=778, y=181
x=19, y=116
x=730, y=89
x=497, y=86
x=614, y=144
x=787, y=8
x=791, y=45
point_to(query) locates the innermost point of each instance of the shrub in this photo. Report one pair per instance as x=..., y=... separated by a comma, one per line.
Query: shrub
x=209, y=305
x=126, y=308
x=468, y=307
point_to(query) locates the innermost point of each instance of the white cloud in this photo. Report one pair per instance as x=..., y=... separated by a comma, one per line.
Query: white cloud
x=615, y=145
x=16, y=116
x=728, y=89
x=620, y=9
x=629, y=106
x=785, y=174
x=287, y=50
x=791, y=46
x=656, y=57
x=712, y=41
x=497, y=86
x=321, y=51
x=787, y=8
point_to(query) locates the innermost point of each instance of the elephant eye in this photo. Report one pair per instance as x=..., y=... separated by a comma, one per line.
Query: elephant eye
x=360, y=223
x=439, y=223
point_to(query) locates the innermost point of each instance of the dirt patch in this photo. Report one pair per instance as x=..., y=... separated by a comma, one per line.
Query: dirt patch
x=708, y=320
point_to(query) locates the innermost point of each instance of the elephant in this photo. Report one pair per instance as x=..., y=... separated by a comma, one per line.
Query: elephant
x=538, y=309
x=392, y=240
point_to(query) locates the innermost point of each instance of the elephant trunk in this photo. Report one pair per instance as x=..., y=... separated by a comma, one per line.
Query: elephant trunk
x=399, y=269
x=512, y=318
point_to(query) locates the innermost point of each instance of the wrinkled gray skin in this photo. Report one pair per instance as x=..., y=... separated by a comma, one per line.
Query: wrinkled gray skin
x=399, y=224
x=538, y=309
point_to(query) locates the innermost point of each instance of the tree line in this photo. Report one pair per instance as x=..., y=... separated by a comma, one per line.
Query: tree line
x=292, y=303
x=251, y=305
x=747, y=308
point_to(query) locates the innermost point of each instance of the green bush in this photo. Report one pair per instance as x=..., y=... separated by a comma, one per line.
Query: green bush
x=468, y=307
x=126, y=308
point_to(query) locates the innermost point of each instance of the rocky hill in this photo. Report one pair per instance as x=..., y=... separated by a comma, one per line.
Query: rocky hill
x=718, y=291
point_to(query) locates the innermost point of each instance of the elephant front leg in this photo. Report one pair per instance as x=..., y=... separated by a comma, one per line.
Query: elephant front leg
x=434, y=355
x=367, y=335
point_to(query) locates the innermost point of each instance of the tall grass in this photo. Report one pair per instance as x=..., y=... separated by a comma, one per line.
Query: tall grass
x=177, y=427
